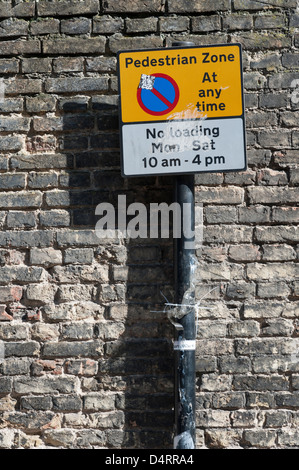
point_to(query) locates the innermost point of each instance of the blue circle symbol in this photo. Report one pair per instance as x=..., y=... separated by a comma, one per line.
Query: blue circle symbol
x=161, y=98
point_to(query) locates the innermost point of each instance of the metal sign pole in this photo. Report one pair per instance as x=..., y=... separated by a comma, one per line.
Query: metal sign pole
x=156, y=142
x=185, y=428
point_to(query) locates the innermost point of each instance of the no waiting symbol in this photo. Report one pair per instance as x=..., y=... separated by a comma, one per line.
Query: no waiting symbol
x=160, y=98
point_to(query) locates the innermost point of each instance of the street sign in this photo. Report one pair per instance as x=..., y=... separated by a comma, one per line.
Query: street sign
x=182, y=110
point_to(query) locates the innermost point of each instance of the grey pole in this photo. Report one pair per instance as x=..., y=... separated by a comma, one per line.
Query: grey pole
x=185, y=427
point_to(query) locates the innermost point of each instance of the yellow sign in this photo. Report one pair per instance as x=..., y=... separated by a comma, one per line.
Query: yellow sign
x=181, y=83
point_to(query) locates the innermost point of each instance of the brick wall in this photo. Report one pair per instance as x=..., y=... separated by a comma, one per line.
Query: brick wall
x=88, y=357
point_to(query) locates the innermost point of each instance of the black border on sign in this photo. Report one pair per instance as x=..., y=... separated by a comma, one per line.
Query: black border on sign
x=121, y=123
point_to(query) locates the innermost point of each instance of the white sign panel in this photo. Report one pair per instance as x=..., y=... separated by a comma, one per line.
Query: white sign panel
x=183, y=147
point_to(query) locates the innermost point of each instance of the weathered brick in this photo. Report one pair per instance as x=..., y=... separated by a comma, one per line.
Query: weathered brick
x=67, y=403
x=263, y=346
x=74, y=46
x=242, y=178
x=19, y=219
x=76, y=26
x=40, y=103
x=270, y=21
x=254, y=214
x=10, y=294
x=62, y=85
x=259, y=271
x=243, y=419
x=5, y=384
x=22, y=348
x=142, y=25
x=42, y=180
x=288, y=438
x=118, y=42
x=285, y=158
x=54, y=218
x=68, y=297
x=259, y=157
x=213, y=418
x=244, y=253
x=41, y=161
x=261, y=119
x=282, y=80
x=78, y=256
x=277, y=327
x=101, y=64
x=254, y=81
x=251, y=100
x=21, y=9
x=232, y=195
x=99, y=402
x=16, y=366
x=13, y=27
x=220, y=438
x=268, y=61
x=46, y=384
x=214, y=382
x=245, y=328
x=271, y=177
x=121, y=6
x=25, y=86
x=12, y=181
x=13, y=124
x=67, y=7
x=289, y=400
x=44, y=26
x=278, y=253
x=260, y=400
x=256, y=5
x=192, y=6
x=18, y=47
x=68, y=64
x=237, y=22
x=26, y=199
x=85, y=367
x=43, y=293
x=233, y=365
x=258, y=41
x=271, y=100
x=11, y=105
x=203, y=364
x=9, y=331
x=285, y=214
x=25, y=239
x=172, y=24
x=261, y=383
x=209, y=23
x=66, y=123
x=60, y=437
x=273, y=363
x=77, y=238
x=220, y=214
x=41, y=143
x=261, y=438
x=263, y=195
x=107, y=24
x=272, y=289
x=276, y=234
x=36, y=403
x=224, y=234
x=77, y=348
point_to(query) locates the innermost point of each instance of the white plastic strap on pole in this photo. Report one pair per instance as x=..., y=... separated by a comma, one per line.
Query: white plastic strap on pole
x=184, y=345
